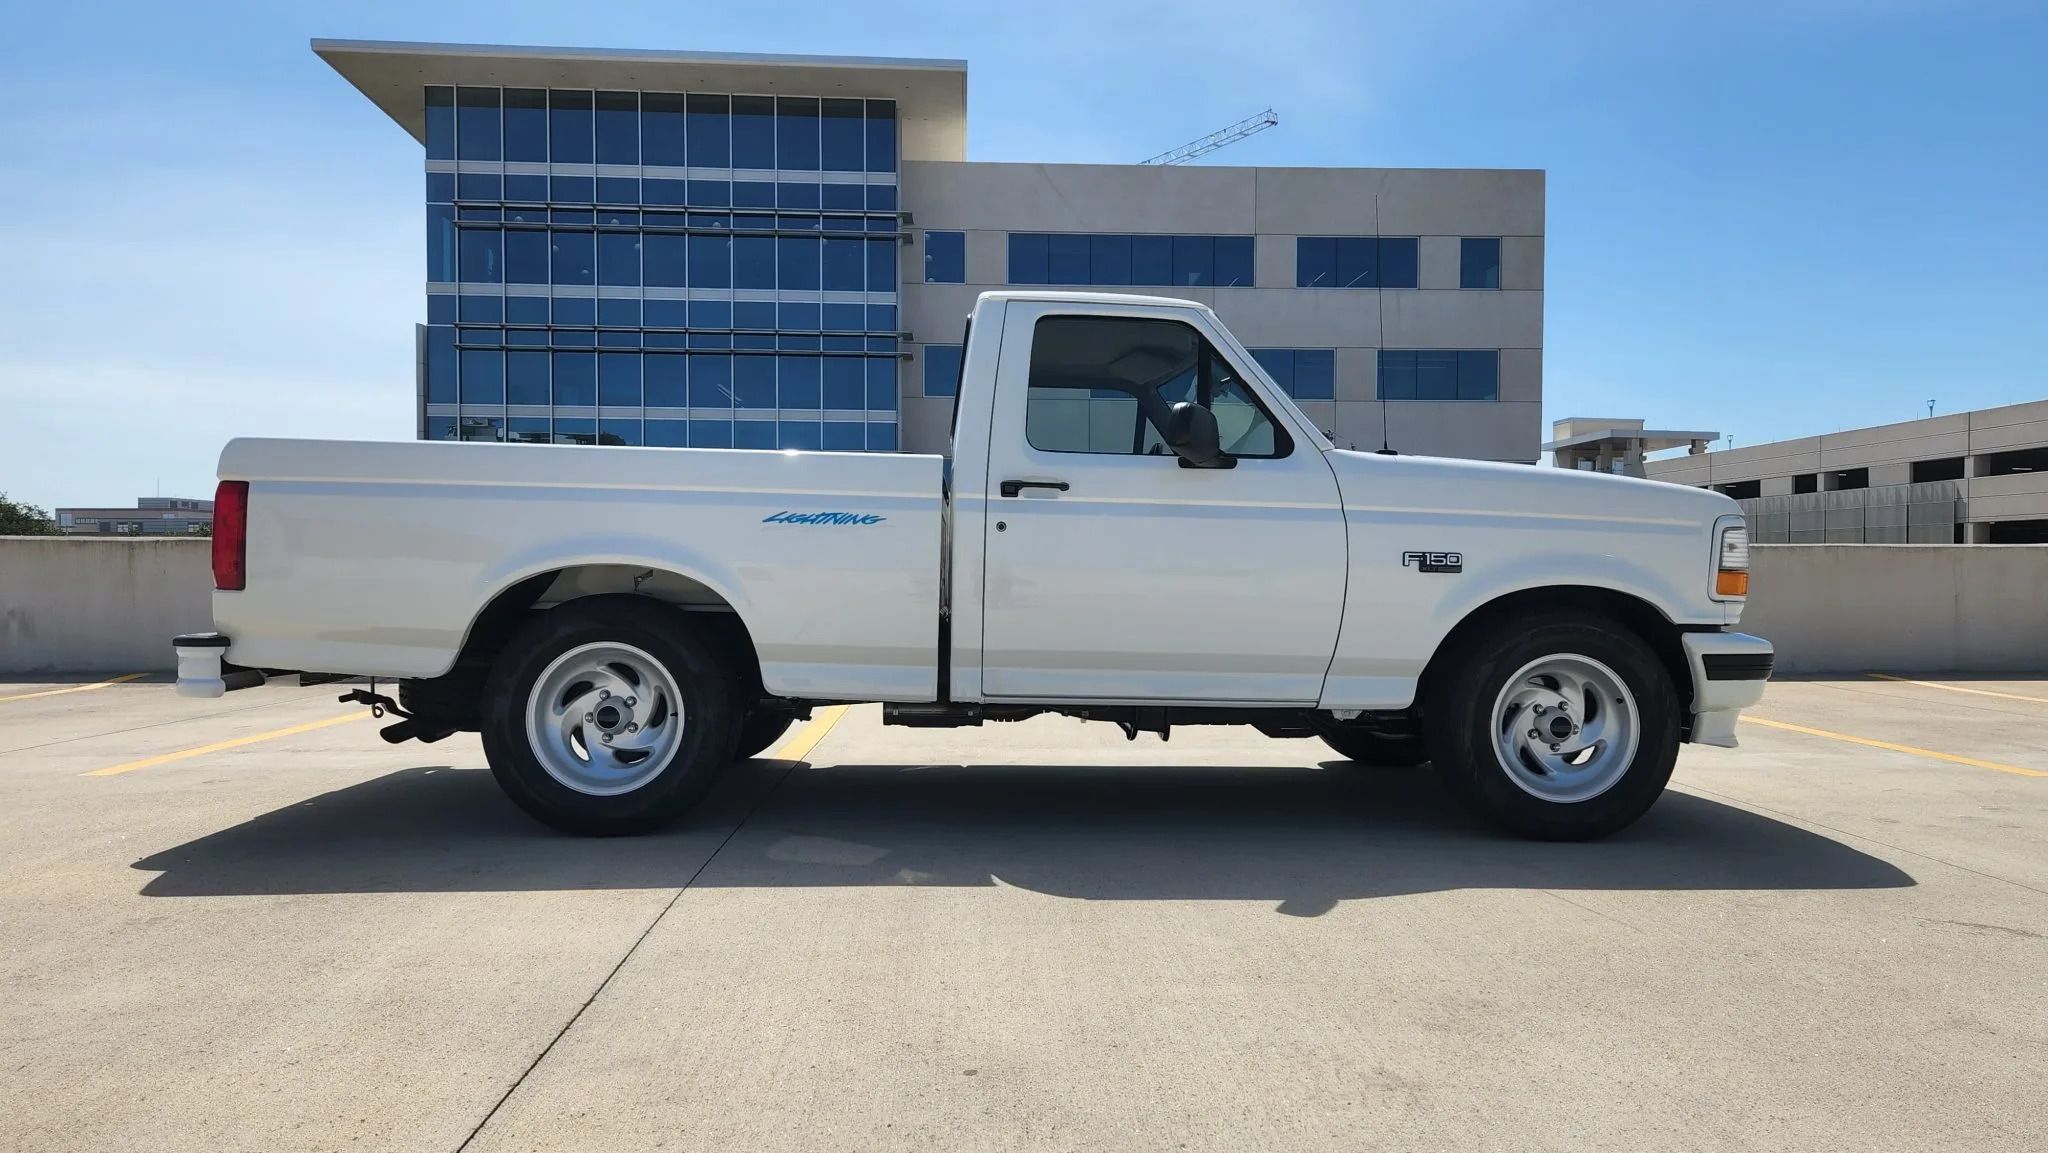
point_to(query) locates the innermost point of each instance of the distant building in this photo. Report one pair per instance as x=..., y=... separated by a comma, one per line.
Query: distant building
x=1971, y=477
x=1604, y=444
x=151, y=516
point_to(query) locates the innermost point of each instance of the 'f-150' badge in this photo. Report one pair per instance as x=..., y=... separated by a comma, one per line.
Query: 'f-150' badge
x=1434, y=561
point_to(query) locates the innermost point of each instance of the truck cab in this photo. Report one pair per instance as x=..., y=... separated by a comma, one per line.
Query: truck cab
x=1134, y=524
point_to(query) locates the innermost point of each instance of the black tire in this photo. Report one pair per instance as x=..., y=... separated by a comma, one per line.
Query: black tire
x=1458, y=720
x=761, y=729
x=1380, y=750
x=704, y=685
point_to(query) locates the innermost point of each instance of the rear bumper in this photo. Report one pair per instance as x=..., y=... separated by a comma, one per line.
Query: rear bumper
x=1729, y=672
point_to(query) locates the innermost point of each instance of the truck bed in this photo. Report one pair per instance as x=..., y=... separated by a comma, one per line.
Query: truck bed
x=374, y=558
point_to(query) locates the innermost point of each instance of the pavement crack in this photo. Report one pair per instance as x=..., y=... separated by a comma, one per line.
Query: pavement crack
x=569, y=1024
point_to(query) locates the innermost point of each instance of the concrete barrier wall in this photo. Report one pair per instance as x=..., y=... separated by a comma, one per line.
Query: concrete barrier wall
x=1901, y=608
x=83, y=605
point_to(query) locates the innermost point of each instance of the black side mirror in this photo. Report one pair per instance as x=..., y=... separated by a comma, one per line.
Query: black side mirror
x=1191, y=434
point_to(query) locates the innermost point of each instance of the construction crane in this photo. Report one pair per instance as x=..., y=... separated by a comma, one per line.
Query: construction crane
x=1217, y=139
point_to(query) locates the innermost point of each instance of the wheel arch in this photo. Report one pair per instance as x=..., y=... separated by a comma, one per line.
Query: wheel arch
x=1637, y=615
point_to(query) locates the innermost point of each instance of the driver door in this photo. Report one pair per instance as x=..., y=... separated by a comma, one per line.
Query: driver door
x=1115, y=573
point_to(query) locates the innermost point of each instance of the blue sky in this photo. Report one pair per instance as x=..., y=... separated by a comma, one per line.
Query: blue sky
x=1767, y=219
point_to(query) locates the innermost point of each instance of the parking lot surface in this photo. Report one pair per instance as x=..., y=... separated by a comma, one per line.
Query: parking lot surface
x=249, y=924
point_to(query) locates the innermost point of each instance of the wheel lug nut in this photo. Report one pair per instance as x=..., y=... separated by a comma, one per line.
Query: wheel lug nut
x=632, y=728
x=1534, y=735
x=1553, y=748
x=607, y=739
x=589, y=718
x=631, y=701
x=604, y=694
x=1540, y=710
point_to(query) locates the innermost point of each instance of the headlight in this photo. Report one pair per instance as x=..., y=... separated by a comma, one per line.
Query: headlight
x=1731, y=567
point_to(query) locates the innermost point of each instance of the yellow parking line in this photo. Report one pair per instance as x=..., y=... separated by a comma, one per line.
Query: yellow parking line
x=75, y=688
x=1951, y=758
x=801, y=742
x=1959, y=689
x=218, y=746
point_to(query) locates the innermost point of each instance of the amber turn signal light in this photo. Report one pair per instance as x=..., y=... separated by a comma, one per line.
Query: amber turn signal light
x=1731, y=584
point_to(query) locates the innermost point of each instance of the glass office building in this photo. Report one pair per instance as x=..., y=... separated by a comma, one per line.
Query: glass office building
x=661, y=268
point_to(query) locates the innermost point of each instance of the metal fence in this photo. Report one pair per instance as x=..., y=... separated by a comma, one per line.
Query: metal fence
x=1892, y=514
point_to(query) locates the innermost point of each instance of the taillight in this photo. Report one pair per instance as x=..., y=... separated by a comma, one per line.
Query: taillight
x=231, y=535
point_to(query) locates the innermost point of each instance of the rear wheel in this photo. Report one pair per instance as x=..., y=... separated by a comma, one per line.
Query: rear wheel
x=608, y=716
x=1565, y=730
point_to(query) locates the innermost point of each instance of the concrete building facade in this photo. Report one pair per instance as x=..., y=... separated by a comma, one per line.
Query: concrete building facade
x=151, y=516
x=780, y=252
x=1995, y=461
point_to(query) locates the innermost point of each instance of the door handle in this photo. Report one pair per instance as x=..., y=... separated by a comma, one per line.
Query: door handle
x=1014, y=487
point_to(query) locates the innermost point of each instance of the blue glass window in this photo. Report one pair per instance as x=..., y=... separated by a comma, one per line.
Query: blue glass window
x=882, y=318
x=881, y=436
x=527, y=337
x=844, y=267
x=843, y=317
x=843, y=129
x=797, y=384
x=668, y=192
x=618, y=128
x=613, y=339
x=945, y=257
x=1357, y=261
x=440, y=365
x=666, y=339
x=526, y=309
x=575, y=378
x=754, y=194
x=613, y=431
x=881, y=384
x=618, y=378
x=1151, y=260
x=667, y=380
x=1279, y=364
x=1315, y=261
x=1479, y=375
x=1234, y=260
x=753, y=132
x=881, y=266
x=618, y=258
x=575, y=310
x=440, y=308
x=753, y=381
x=843, y=223
x=668, y=433
x=476, y=124
x=710, y=434
x=526, y=124
x=440, y=123
x=661, y=128
x=1436, y=375
x=617, y=190
x=1029, y=255
x=710, y=262
x=479, y=186
x=796, y=262
x=844, y=198
x=615, y=313
x=797, y=342
x=845, y=436
x=1479, y=262
x=709, y=194
x=710, y=131
x=664, y=255
x=753, y=314
x=1315, y=374
x=710, y=380
x=799, y=434
x=1109, y=260
x=483, y=256
x=570, y=132
x=440, y=428
x=526, y=256
x=881, y=150
x=753, y=434
x=573, y=337
x=575, y=430
x=440, y=188
x=796, y=133
x=526, y=378
x=711, y=313
x=801, y=316
x=440, y=243
x=881, y=198
x=1398, y=262
x=1194, y=260
x=527, y=430
x=1066, y=258
x=483, y=376
x=572, y=189
x=941, y=369
x=486, y=337
x=482, y=310
x=796, y=195
x=753, y=262
x=574, y=256
x=844, y=386
x=528, y=189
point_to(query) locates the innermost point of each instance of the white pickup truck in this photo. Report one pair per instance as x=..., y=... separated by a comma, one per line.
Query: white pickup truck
x=1134, y=525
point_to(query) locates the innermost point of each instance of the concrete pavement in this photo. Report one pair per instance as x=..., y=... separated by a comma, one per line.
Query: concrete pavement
x=1018, y=937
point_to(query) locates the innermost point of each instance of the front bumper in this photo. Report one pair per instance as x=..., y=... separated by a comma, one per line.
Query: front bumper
x=1729, y=672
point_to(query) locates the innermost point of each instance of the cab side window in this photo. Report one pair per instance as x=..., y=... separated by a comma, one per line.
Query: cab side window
x=1105, y=384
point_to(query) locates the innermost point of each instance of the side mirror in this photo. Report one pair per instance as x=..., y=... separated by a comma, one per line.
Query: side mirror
x=1191, y=434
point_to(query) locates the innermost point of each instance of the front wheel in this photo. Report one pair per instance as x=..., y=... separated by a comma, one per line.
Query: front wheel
x=608, y=716
x=1373, y=747
x=1562, y=729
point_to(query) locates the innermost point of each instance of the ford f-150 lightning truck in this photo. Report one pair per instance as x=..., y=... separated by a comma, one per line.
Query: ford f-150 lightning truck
x=1134, y=525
